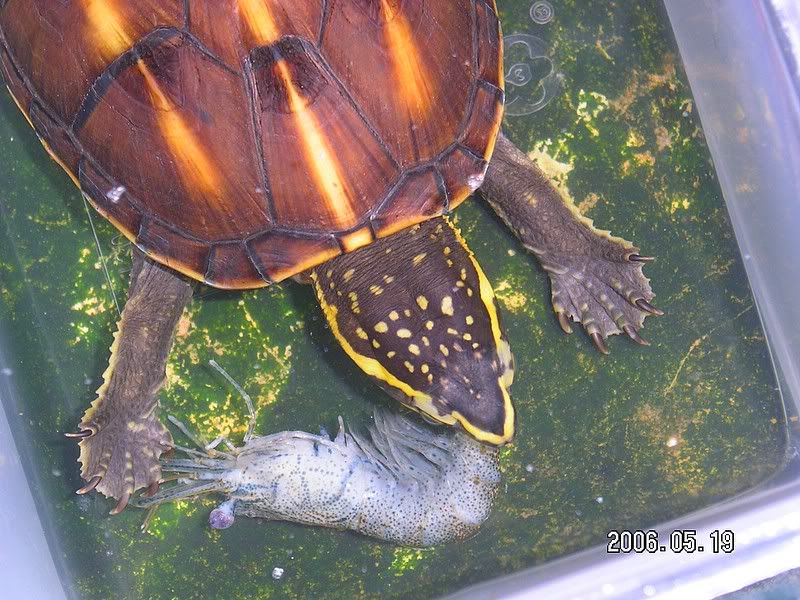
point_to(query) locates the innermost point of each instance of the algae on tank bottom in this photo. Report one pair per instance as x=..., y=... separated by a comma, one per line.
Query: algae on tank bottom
x=603, y=443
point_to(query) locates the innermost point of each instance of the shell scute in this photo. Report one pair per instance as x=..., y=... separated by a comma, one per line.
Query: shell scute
x=314, y=131
x=185, y=155
x=63, y=47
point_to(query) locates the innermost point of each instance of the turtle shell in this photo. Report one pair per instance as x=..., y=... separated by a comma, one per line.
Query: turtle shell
x=243, y=141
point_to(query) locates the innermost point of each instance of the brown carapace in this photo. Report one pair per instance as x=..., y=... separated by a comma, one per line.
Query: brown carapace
x=243, y=141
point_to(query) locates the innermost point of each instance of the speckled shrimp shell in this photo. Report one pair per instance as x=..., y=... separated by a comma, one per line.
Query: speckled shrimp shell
x=406, y=483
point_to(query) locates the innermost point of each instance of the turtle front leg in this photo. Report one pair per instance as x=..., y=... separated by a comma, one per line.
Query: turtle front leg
x=121, y=437
x=596, y=278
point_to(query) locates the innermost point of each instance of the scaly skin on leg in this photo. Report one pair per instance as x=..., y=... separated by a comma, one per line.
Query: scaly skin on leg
x=415, y=311
x=596, y=278
x=121, y=437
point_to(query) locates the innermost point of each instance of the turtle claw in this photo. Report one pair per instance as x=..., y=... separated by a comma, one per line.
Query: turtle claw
x=563, y=321
x=631, y=332
x=122, y=456
x=89, y=486
x=152, y=490
x=80, y=434
x=123, y=502
x=640, y=258
x=647, y=307
x=599, y=342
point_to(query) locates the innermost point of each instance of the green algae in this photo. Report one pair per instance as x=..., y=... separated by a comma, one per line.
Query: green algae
x=603, y=443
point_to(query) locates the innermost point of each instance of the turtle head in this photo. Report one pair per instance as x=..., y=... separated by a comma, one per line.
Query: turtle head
x=415, y=311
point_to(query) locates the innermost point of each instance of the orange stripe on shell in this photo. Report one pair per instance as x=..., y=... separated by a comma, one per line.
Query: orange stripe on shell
x=105, y=26
x=259, y=21
x=197, y=169
x=324, y=167
x=414, y=84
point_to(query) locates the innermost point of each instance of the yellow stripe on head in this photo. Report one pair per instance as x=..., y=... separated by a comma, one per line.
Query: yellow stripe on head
x=503, y=350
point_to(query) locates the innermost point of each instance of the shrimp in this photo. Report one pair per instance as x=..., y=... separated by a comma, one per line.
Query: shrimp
x=403, y=482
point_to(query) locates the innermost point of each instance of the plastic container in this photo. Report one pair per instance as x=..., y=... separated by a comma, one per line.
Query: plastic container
x=590, y=428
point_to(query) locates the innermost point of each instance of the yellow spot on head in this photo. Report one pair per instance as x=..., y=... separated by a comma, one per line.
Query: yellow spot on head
x=418, y=258
x=409, y=366
x=403, y=333
x=407, y=312
x=443, y=349
x=376, y=290
x=422, y=301
x=447, y=250
x=469, y=320
x=447, y=306
x=428, y=325
x=467, y=337
x=348, y=274
x=381, y=327
x=424, y=368
x=391, y=354
x=414, y=349
x=425, y=340
x=362, y=334
x=388, y=279
x=375, y=344
x=394, y=315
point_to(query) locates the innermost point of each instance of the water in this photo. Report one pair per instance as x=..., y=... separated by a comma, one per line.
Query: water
x=624, y=441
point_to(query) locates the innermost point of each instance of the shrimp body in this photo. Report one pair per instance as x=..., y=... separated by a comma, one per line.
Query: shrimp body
x=405, y=483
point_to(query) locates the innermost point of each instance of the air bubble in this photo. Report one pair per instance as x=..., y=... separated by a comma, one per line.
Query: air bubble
x=542, y=12
x=277, y=573
x=527, y=89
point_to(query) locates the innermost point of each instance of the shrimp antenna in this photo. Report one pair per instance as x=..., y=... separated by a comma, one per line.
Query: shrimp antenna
x=250, y=408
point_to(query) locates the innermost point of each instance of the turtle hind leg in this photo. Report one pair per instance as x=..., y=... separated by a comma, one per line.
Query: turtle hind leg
x=597, y=279
x=121, y=437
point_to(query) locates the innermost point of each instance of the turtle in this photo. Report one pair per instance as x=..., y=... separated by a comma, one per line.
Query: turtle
x=240, y=143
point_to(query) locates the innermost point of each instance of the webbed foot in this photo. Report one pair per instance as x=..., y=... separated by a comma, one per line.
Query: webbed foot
x=121, y=456
x=606, y=296
x=596, y=278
